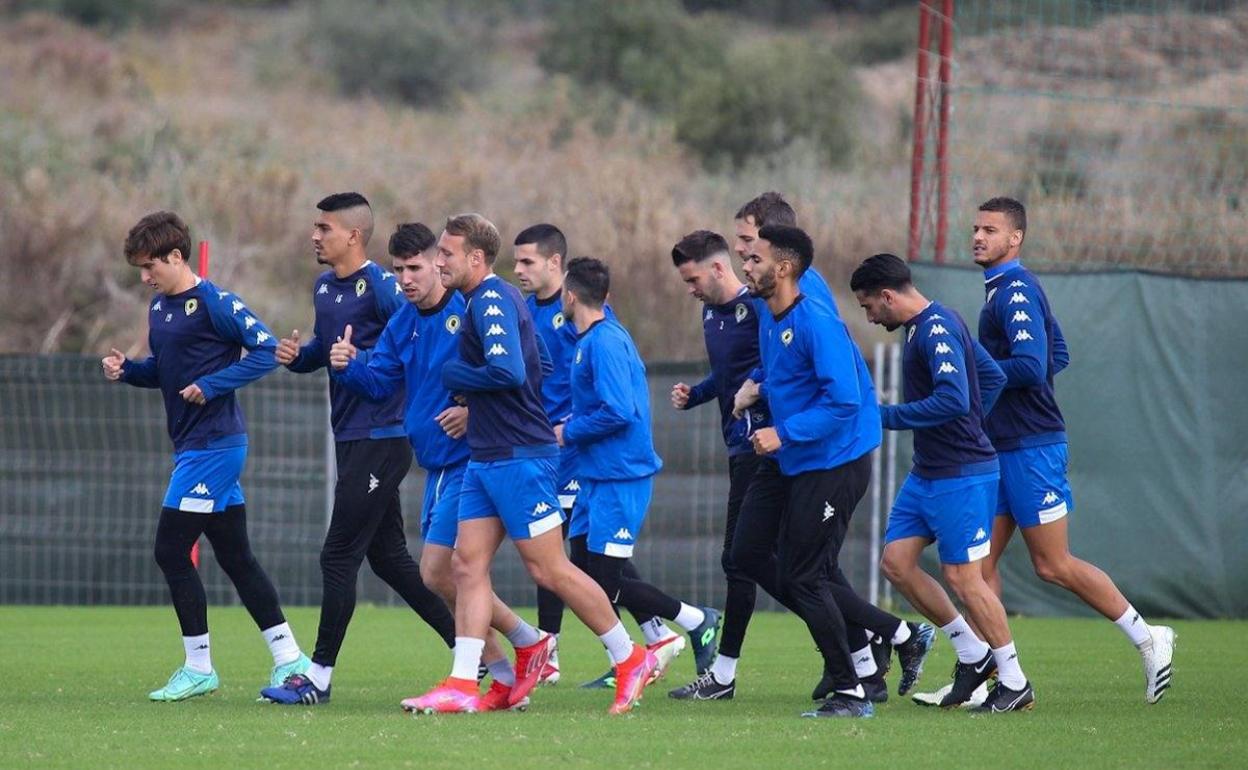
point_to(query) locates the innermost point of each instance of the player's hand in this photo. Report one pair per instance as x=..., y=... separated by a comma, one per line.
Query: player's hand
x=766, y=441
x=559, y=433
x=288, y=349
x=342, y=351
x=192, y=394
x=113, y=363
x=747, y=396
x=453, y=421
x=680, y=395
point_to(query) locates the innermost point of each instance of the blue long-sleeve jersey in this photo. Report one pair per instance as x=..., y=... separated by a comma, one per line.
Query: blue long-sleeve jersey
x=610, y=422
x=365, y=299
x=499, y=371
x=731, y=334
x=813, y=286
x=818, y=388
x=1017, y=328
x=945, y=404
x=408, y=358
x=198, y=337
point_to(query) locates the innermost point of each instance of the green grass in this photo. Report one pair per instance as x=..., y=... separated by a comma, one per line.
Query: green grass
x=75, y=682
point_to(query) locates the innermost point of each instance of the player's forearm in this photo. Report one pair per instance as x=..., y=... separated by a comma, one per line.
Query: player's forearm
x=253, y=366
x=459, y=376
x=140, y=374
x=369, y=381
x=1022, y=371
x=937, y=409
x=594, y=426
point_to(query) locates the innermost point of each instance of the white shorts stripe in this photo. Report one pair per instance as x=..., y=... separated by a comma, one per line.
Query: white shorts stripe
x=1048, y=515
x=567, y=501
x=977, y=552
x=195, y=505
x=618, y=550
x=545, y=524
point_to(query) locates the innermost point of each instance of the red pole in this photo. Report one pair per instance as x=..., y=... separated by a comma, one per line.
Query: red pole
x=920, y=133
x=203, y=273
x=942, y=131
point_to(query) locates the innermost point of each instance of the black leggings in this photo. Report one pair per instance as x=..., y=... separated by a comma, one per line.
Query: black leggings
x=742, y=591
x=177, y=531
x=623, y=585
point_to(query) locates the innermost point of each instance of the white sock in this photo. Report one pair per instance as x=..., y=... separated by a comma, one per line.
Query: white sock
x=523, y=635
x=467, y=657
x=970, y=648
x=1009, y=672
x=689, y=617
x=1134, y=627
x=902, y=634
x=724, y=669
x=655, y=630
x=619, y=645
x=282, y=644
x=864, y=663
x=857, y=692
x=320, y=675
x=502, y=671
x=554, y=652
x=198, y=653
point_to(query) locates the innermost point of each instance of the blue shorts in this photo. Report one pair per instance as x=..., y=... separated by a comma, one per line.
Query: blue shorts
x=439, y=515
x=1033, y=487
x=610, y=515
x=206, y=480
x=519, y=491
x=956, y=513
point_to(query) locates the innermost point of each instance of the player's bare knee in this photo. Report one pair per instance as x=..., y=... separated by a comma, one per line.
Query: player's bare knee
x=897, y=570
x=1055, y=571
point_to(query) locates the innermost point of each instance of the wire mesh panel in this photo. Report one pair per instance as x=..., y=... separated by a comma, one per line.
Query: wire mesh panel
x=1122, y=125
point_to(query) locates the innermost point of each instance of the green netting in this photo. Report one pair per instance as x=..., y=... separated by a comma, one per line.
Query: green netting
x=1158, y=462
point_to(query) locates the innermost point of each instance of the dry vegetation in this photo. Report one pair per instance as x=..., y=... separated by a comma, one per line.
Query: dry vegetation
x=220, y=118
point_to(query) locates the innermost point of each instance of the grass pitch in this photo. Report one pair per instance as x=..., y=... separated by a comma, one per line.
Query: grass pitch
x=75, y=682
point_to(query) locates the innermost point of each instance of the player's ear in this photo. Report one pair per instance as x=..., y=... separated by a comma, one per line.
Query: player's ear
x=174, y=253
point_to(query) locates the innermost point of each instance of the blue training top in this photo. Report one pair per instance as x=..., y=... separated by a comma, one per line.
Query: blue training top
x=499, y=370
x=818, y=388
x=731, y=334
x=365, y=299
x=198, y=337
x=1017, y=327
x=610, y=422
x=945, y=405
x=411, y=351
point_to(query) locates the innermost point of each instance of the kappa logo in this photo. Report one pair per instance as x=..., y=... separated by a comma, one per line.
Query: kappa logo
x=156, y=307
x=373, y=483
x=168, y=317
x=786, y=336
x=249, y=322
x=237, y=306
x=496, y=350
x=577, y=360
x=947, y=368
x=222, y=294
x=415, y=334
x=493, y=310
x=386, y=276
x=910, y=333
x=324, y=289
x=558, y=320
x=709, y=315
x=200, y=489
x=360, y=287
x=1020, y=316
x=495, y=331
x=741, y=312
x=935, y=317
x=991, y=293
x=398, y=289
x=943, y=348
x=1018, y=298
x=937, y=329
x=338, y=299
x=1022, y=336
x=980, y=534
x=540, y=508
x=573, y=486
x=191, y=306
x=491, y=294
x=828, y=510
x=623, y=534
x=1017, y=284
x=262, y=337
x=1049, y=498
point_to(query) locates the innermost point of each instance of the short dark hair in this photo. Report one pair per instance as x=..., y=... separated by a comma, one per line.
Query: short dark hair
x=589, y=280
x=770, y=208
x=879, y=272
x=350, y=200
x=549, y=239
x=477, y=232
x=410, y=239
x=1013, y=210
x=156, y=235
x=698, y=246
x=791, y=243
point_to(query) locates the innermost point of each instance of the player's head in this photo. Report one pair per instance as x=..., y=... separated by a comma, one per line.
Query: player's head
x=881, y=284
x=585, y=285
x=413, y=249
x=467, y=249
x=770, y=208
x=540, y=255
x=999, y=230
x=344, y=223
x=159, y=246
x=778, y=256
x=701, y=258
